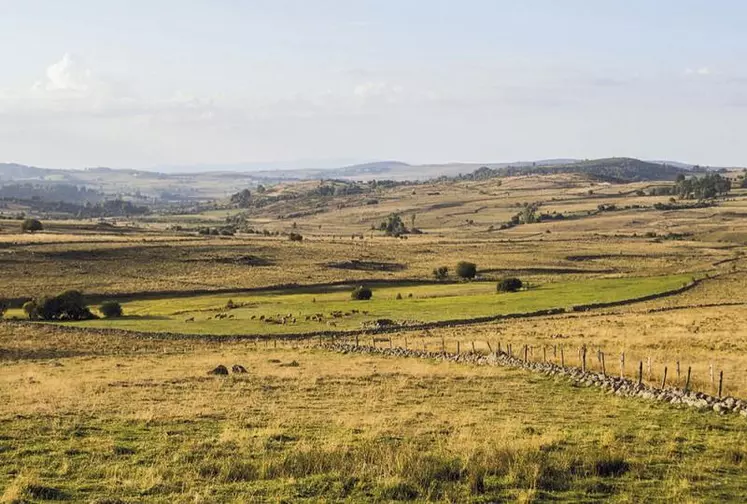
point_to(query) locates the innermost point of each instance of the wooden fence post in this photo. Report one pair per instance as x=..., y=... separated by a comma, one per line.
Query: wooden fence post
x=562, y=357
x=473, y=347
x=458, y=349
x=390, y=342
x=640, y=373
x=526, y=352
x=490, y=348
x=443, y=345
x=356, y=341
x=664, y=380
x=678, y=372
x=687, y=383
x=583, y=355
x=544, y=354
x=710, y=373
x=720, y=383
x=622, y=364
x=648, y=367
x=405, y=342
x=604, y=368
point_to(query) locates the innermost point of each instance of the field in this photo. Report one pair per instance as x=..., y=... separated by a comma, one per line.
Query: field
x=112, y=410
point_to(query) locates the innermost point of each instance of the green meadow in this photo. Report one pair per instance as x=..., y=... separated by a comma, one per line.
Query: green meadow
x=408, y=304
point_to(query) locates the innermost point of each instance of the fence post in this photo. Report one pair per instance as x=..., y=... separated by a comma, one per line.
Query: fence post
x=443, y=345
x=710, y=373
x=687, y=384
x=562, y=357
x=405, y=342
x=622, y=364
x=473, y=347
x=356, y=341
x=583, y=354
x=720, y=383
x=604, y=368
x=678, y=372
x=640, y=373
x=544, y=354
x=490, y=348
x=664, y=380
x=458, y=348
x=526, y=352
x=648, y=367
x=390, y=342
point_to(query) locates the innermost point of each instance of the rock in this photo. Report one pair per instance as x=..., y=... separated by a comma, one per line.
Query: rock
x=743, y=413
x=238, y=369
x=221, y=370
x=719, y=408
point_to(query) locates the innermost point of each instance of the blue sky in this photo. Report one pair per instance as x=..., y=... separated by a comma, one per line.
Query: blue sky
x=163, y=82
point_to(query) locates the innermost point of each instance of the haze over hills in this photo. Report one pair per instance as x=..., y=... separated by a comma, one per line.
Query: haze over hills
x=214, y=184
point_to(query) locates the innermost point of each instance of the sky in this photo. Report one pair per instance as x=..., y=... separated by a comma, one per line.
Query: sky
x=149, y=83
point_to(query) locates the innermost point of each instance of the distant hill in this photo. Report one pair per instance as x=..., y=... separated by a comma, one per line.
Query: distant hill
x=609, y=169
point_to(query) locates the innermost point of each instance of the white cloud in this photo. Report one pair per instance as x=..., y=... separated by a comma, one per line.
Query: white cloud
x=68, y=74
x=703, y=71
x=378, y=90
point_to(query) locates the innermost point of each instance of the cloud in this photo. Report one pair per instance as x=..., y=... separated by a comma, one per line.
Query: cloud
x=68, y=74
x=378, y=91
x=702, y=71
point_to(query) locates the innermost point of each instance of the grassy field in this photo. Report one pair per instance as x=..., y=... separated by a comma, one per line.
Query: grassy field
x=109, y=421
x=428, y=303
x=88, y=416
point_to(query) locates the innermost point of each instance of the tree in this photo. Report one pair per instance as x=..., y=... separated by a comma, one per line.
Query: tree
x=31, y=225
x=111, y=309
x=393, y=226
x=361, y=293
x=70, y=305
x=510, y=285
x=242, y=199
x=441, y=273
x=466, y=270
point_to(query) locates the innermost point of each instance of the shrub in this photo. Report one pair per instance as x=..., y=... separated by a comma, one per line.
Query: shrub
x=362, y=293
x=466, y=270
x=441, y=273
x=3, y=308
x=295, y=237
x=70, y=305
x=111, y=309
x=31, y=225
x=510, y=285
x=31, y=309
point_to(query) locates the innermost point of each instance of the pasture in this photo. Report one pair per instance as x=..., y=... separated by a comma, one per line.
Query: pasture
x=89, y=415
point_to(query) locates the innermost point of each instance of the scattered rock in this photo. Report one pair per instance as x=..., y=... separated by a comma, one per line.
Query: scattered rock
x=221, y=370
x=238, y=369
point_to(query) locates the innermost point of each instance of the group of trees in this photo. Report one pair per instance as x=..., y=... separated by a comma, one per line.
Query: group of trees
x=69, y=305
x=708, y=186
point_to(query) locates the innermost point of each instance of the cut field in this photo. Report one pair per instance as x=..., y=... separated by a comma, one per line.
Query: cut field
x=322, y=309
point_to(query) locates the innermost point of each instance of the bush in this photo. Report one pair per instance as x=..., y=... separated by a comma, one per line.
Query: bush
x=3, y=308
x=362, y=293
x=466, y=270
x=295, y=237
x=111, y=309
x=70, y=305
x=31, y=310
x=31, y=225
x=441, y=273
x=510, y=285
